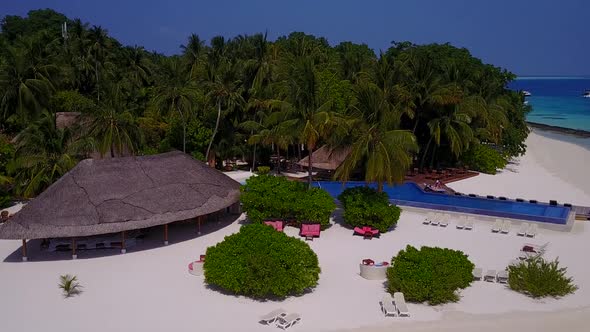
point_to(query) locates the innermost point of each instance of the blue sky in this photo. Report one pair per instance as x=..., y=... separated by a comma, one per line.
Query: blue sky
x=528, y=37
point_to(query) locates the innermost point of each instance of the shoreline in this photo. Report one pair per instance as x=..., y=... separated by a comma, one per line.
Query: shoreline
x=579, y=133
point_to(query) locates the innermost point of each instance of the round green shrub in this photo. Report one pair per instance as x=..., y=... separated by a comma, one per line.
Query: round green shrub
x=430, y=275
x=260, y=262
x=267, y=196
x=364, y=206
x=483, y=158
x=538, y=278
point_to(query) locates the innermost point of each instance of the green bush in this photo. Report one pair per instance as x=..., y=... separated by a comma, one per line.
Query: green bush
x=364, y=206
x=263, y=169
x=69, y=285
x=267, y=196
x=429, y=274
x=483, y=158
x=537, y=278
x=260, y=262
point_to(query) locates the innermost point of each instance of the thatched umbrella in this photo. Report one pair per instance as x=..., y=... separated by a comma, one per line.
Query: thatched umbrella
x=326, y=158
x=121, y=194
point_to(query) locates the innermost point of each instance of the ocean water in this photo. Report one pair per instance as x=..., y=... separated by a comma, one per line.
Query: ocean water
x=557, y=101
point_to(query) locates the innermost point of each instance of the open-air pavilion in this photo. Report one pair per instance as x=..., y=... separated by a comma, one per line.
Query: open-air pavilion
x=124, y=194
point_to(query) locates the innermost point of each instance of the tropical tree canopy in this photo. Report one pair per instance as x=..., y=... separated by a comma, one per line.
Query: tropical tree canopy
x=247, y=98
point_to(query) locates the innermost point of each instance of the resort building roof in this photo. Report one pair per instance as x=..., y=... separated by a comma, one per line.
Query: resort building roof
x=120, y=194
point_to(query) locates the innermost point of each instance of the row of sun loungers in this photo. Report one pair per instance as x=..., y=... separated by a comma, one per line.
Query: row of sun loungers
x=528, y=230
x=490, y=275
x=394, y=306
x=66, y=245
x=443, y=220
x=281, y=318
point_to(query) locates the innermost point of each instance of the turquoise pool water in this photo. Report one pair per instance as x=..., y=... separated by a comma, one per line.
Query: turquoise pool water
x=409, y=194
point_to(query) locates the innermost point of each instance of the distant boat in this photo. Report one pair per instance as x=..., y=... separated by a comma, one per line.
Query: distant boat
x=526, y=93
x=586, y=94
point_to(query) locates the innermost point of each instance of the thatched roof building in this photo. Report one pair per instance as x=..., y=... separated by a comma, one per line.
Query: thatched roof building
x=326, y=158
x=120, y=194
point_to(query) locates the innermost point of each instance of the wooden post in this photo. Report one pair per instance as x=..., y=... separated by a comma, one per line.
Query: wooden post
x=74, y=255
x=166, y=234
x=199, y=223
x=123, y=249
x=25, y=250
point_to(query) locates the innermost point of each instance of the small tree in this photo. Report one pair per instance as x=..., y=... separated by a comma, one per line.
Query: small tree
x=69, y=285
x=538, y=278
x=364, y=206
x=429, y=274
x=260, y=262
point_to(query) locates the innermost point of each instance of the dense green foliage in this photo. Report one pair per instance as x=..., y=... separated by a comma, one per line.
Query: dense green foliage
x=364, y=206
x=483, y=158
x=538, y=278
x=6, y=154
x=260, y=262
x=429, y=274
x=267, y=196
x=248, y=97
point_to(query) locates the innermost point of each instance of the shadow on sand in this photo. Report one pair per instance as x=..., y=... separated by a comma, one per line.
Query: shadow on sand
x=152, y=238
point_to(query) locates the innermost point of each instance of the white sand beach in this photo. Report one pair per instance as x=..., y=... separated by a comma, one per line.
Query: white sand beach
x=149, y=288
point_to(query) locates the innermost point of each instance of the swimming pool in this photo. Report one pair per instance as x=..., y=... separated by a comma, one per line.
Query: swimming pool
x=410, y=194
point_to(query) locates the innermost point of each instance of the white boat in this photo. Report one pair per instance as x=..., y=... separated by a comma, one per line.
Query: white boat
x=526, y=93
x=586, y=94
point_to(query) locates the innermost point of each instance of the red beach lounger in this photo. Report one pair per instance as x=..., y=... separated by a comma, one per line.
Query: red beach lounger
x=310, y=231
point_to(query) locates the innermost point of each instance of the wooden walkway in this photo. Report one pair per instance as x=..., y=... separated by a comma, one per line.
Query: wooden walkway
x=422, y=179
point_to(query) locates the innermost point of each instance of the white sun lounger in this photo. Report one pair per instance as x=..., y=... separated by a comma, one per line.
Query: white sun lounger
x=461, y=223
x=288, y=321
x=538, y=250
x=387, y=306
x=436, y=219
x=505, y=229
x=477, y=273
x=532, y=230
x=444, y=220
x=497, y=226
x=400, y=303
x=502, y=276
x=469, y=224
x=522, y=230
x=490, y=276
x=272, y=316
x=428, y=218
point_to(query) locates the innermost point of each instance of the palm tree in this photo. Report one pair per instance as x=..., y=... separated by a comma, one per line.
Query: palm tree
x=176, y=93
x=192, y=53
x=383, y=151
x=112, y=128
x=314, y=118
x=43, y=154
x=99, y=45
x=25, y=82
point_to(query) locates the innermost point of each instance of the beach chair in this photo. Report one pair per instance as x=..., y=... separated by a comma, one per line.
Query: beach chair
x=490, y=276
x=532, y=230
x=461, y=223
x=505, y=229
x=436, y=219
x=400, y=304
x=502, y=276
x=387, y=306
x=288, y=321
x=309, y=231
x=428, y=218
x=530, y=250
x=477, y=273
x=272, y=316
x=469, y=224
x=497, y=226
x=522, y=230
x=444, y=220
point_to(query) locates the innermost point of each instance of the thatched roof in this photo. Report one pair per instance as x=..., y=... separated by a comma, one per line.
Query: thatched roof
x=326, y=158
x=113, y=195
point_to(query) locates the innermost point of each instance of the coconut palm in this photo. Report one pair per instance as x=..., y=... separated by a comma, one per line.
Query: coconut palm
x=384, y=152
x=192, y=53
x=43, y=154
x=176, y=93
x=112, y=128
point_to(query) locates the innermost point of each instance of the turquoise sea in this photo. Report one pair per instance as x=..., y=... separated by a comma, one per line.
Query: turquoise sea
x=557, y=101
